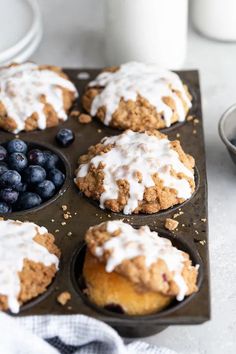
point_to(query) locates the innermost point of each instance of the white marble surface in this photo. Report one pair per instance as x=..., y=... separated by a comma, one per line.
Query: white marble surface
x=73, y=36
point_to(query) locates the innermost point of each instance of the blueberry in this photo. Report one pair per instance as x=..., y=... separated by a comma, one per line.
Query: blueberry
x=21, y=187
x=3, y=167
x=4, y=208
x=233, y=141
x=57, y=177
x=65, y=137
x=8, y=195
x=51, y=160
x=3, y=153
x=16, y=145
x=28, y=200
x=17, y=161
x=36, y=157
x=9, y=179
x=45, y=189
x=34, y=174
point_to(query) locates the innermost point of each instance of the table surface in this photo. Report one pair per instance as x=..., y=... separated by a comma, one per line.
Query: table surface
x=73, y=37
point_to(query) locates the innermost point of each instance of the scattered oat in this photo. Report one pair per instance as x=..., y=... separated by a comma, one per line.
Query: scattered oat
x=57, y=230
x=203, y=220
x=52, y=220
x=196, y=232
x=183, y=225
x=99, y=130
x=189, y=118
x=75, y=213
x=85, y=118
x=175, y=215
x=66, y=216
x=109, y=216
x=177, y=135
x=171, y=224
x=63, y=298
x=64, y=207
x=63, y=223
x=196, y=121
x=69, y=233
x=75, y=113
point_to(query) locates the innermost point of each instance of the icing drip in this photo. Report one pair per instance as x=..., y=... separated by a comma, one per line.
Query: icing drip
x=21, y=87
x=17, y=244
x=131, y=243
x=147, y=80
x=139, y=152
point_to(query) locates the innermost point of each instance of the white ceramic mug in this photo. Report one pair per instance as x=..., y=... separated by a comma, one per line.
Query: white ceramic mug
x=215, y=18
x=146, y=30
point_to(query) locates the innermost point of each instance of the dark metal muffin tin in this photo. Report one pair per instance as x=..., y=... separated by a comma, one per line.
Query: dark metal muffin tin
x=191, y=235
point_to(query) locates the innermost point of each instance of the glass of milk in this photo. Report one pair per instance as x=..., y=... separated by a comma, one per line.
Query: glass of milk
x=152, y=31
x=215, y=18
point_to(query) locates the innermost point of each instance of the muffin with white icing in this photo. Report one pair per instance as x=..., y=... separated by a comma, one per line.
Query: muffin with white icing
x=34, y=97
x=135, y=271
x=137, y=96
x=136, y=172
x=29, y=260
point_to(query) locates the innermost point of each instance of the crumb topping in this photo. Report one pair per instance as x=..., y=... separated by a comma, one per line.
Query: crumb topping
x=18, y=244
x=147, y=80
x=22, y=88
x=144, y=257
x=136, y=157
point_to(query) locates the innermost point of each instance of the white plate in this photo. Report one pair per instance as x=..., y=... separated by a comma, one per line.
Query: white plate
x=19, y=22
x=27, y=51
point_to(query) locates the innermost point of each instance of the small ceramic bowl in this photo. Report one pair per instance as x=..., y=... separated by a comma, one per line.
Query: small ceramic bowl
x=227, y=130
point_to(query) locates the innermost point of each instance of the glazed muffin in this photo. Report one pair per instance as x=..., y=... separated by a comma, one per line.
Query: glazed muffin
x=136, y=172
x=34, y=97
x=28, y=262
x=135, y=270
x=137, y=96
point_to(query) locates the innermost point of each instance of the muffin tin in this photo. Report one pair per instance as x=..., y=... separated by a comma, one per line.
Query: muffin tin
x=191, y=235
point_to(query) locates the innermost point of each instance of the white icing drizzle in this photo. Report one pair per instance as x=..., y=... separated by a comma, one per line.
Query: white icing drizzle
x=148, y=80
x=131, y=243
x=17, y=244
x=21, y=87
x=149, y=155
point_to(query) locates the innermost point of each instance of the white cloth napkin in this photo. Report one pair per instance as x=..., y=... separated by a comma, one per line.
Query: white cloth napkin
x=67, y=335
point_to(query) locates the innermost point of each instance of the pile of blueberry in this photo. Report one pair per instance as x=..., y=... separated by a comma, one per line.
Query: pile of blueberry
x=28, y=176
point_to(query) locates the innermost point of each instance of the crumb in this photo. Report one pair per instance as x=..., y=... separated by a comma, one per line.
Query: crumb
x=171, y=224
x=203, y=220
x=99, y=130
x=66, y=216
x=69, y=233
x=63, y=298
x=57, y=230
x=63, y=223
x=75, y=113
x=183, y=225
x=52, y=220
x=202, y=242
x=109, y=216
x=196, y=121
x=64, y=207
x=85, y=118
x=75, y=213
x=196, y=232
x=189, y=118
x=177, y=135
x=194, y=131
x=83, y=75
x=69, y=307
